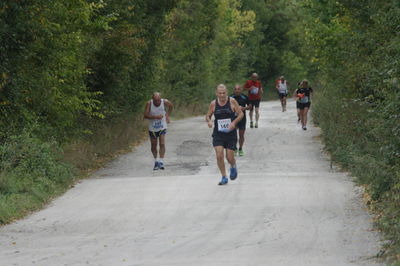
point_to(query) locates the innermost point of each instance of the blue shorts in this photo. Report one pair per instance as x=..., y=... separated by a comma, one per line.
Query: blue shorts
x=157, y=134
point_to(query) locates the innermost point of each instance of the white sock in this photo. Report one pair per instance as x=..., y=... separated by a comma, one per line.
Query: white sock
x=161, y=160
x=155, y=160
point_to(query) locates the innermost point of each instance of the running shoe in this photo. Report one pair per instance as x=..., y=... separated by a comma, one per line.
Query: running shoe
x=156, y=166
x=223, y=181
x=161, y=165
x=304, y=128
x=233, y=173
x=251, y=124
x=256, y=125
x=241, y=153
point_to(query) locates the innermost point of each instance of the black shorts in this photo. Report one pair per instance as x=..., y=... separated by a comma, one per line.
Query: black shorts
x=297, y=105
x=228, y=142
x=282, y=95
x=301, y=106
x=242, y=123
x=154, y=135
x=254, y=103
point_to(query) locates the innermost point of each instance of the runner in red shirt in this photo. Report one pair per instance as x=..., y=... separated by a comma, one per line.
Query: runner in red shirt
x=255, y=91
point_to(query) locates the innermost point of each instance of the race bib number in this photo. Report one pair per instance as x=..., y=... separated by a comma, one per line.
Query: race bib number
x=223, y=124
x=157, y=124
x=254, y=90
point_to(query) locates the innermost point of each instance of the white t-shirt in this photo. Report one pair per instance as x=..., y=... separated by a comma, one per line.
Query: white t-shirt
x=282, y=86
x=157, y=124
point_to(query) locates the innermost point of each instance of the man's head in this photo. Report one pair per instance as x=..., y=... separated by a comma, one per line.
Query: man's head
x=237, y=89
x=221, y=92
x=282, y=78
x=156, y=98
x=254, y=76
x=304, y=83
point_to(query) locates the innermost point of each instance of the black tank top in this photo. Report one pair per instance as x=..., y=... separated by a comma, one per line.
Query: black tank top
x=223, y=117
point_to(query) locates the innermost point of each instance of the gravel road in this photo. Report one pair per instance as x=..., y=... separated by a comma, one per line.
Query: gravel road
x=287, y=207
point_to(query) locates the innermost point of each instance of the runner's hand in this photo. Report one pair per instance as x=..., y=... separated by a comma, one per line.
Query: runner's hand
x=158, y=116
x=231, y=127
x=210, y=124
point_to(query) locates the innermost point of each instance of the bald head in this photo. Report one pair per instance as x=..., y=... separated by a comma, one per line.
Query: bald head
x=237, y=89
x=254, y=76
x=221, y=91
x=221, y=86
x=156, y=98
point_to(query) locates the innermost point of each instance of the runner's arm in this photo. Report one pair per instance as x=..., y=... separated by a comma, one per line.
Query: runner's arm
x=147, y=113
x=209, y=114
x=248, y=105
x=170, y=107
x=236, y=108
x=295, y=95
x=246, y=87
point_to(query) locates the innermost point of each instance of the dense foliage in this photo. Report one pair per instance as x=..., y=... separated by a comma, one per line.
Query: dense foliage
x=353, y=50
x=79, y=69
x=74, y=73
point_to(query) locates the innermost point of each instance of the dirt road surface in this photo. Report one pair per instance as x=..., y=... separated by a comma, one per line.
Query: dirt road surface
x=287, y=207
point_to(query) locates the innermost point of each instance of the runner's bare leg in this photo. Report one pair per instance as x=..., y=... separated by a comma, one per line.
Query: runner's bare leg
x=219, y=152
x=162, y=146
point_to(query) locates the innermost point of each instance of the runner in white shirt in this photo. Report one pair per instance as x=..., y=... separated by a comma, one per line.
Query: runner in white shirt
x=282, y=88
x=158, y=116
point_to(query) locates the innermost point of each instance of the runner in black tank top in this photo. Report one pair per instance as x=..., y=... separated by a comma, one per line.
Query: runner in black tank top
x=227, y=114
x=223, y=117
x=244, y=104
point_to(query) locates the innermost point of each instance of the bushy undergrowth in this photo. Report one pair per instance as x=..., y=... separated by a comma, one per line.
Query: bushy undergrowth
x=366, y=143
x=30, y=174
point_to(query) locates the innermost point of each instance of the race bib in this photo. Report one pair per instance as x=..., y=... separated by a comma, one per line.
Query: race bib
x=254, y=90
x=223, y=124
x=304, y=99
x=157, y=124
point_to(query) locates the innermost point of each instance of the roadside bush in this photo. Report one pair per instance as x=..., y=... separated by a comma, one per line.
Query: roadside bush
x=30, y=172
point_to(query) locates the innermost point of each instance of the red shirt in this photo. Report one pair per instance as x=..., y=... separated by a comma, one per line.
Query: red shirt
x=255, y=93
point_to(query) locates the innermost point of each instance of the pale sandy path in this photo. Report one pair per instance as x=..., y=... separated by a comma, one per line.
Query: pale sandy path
x=286, y=208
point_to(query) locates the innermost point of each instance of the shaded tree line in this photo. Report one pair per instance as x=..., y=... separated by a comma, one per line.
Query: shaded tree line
x=67, y=68
x=351, y=49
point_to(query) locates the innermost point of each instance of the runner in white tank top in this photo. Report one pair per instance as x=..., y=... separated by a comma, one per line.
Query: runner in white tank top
x=157, y=112
x=156, y=125
x=282, y=89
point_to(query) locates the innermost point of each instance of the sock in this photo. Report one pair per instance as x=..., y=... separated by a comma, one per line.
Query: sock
x=155, y=160
x=161, y=160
